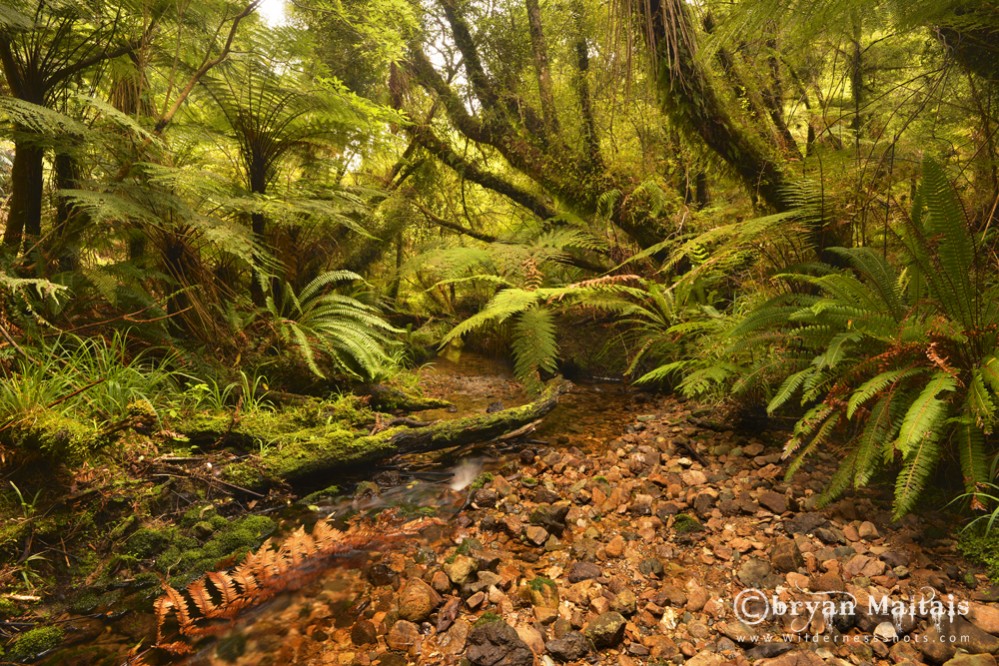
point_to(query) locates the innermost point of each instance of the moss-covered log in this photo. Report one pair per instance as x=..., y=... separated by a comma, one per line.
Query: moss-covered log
x=311, y=452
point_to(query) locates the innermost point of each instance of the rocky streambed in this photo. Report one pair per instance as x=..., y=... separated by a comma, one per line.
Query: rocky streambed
x=633, y=529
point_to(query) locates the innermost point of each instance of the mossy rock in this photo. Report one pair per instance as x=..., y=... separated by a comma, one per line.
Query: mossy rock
x=686, y=524
x=52, y=436
x=30, y=644
x=8, y=608
x=147, y=542
x=186, y=559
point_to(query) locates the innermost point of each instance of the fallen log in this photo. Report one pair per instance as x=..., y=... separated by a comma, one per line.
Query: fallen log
x=314, y=452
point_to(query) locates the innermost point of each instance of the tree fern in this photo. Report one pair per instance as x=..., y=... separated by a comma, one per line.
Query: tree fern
x=904, y=350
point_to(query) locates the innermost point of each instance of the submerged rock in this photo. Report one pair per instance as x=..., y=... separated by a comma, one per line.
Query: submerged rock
x=497, y=644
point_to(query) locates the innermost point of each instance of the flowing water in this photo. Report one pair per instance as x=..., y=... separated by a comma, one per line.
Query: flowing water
x=293, y=627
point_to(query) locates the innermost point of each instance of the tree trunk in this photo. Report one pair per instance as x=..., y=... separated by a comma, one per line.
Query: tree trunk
x=70, y=221
x=691, y=101
x=591, y=142
x=24, y=220
x=857, y=77
x=258, y=223
x=539, y=48
x=309, y=454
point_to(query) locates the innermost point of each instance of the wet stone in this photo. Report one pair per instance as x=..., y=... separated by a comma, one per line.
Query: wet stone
x=805, y=523
x=786, y=556
x=550, y=516
x=403, y=636
x=773, y=501
x=607, y=630
x=572, y=646
x=497, y=644
x=754, y=572
x=364, y=633
x=581, y=571
x=651, y=567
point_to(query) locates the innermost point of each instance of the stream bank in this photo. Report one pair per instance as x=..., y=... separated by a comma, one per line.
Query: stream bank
x=620, y=531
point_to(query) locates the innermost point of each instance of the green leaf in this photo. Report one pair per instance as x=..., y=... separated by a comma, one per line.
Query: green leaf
x=876, y=385
x=926, y=414
x=534, y=346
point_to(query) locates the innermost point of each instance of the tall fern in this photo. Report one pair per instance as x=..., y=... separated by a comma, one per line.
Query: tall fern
x=332, y=331
x=902, y=354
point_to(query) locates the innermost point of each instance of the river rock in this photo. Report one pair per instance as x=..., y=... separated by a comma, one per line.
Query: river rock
x=737, y=631
x=768, y=650
x=773, y=501
x=615, y=547
x=867, y=530
x=497, y=644
x=581, y=571
x=573, y=646
x=403, y=636
x=532, y=638
x=417, y=600
x=651, y=567
x=624, y=602
x=460, y=569
x=452, y=641
x=939, y=651
x=484, y=581
x=707, y=658
x=550, y=516
x=536, y=535
x=786, y=556
x=984, y=617
x=607, y=630
x=364, y=632
x=805, y=522
x=971, y=660
x=754, y=572
x=801, y=657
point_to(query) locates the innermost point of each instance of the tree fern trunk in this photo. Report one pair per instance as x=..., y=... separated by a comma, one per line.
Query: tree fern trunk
x=70, y=221
x=26, y=180
x=259, y=224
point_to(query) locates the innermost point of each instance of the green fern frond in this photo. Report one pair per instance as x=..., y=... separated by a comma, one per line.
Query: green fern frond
x=926, y=414
x=875, y=386
x=534, y=347
x=39, y=119
x=788, y=389
x=970, y=444
x=502, y=306
x=917, y=466
x=840, y=481
x=821, y=437
x=980, y=402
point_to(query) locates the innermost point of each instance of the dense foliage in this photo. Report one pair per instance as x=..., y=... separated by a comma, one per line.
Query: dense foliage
x=788, y=203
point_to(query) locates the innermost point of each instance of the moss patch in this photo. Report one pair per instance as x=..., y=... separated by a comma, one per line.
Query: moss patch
x=32, y=643
x=51, y=435
x=685, y=524
x=982, y=547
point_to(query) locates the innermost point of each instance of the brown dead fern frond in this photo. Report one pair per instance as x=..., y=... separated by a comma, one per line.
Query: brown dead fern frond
x=211, y=603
